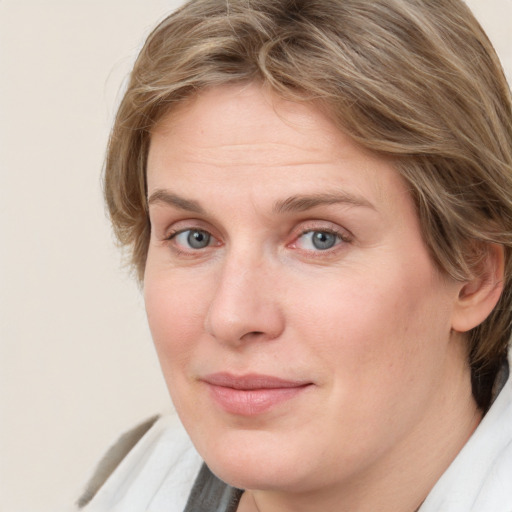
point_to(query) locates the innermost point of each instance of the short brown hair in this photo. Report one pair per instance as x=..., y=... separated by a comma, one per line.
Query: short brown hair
x=414, y=79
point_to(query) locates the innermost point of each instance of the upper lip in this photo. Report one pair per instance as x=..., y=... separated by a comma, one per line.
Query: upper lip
x=252, y=381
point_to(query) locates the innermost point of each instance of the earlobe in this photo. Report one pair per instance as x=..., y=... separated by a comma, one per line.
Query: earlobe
x=479, y=295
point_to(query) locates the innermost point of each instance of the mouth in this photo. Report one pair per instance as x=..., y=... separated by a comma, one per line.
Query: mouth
x=250, y=395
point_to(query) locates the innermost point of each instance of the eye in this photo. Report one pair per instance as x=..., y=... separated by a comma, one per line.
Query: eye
x=318, y=240
x=192, y=238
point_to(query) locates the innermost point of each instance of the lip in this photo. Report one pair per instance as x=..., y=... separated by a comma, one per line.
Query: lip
x=253, y=394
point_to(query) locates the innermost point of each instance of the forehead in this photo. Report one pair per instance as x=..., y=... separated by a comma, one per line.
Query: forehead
x=234, y=117
x=249, y=138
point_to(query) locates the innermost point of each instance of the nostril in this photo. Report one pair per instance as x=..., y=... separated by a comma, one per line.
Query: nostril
x=252, y=334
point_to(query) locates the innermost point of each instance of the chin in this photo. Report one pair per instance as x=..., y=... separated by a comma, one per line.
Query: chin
x=256, y=460
x=252, y=475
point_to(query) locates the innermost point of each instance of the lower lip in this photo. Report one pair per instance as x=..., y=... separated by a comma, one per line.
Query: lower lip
x=250, y=402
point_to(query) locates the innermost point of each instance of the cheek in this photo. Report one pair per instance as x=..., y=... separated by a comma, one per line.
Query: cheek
x=383, y=345
x=175, y=316
x=383, y=321
x=175, y=322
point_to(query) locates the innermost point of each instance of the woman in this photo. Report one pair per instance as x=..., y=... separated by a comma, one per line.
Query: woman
x=316, y=195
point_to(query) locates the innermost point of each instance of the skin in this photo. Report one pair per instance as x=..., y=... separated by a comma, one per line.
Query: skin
x=369, y=323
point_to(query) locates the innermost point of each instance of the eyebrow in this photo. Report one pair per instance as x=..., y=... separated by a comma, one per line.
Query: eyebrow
x=302, y=203
x=299, y=203
x=164, y=197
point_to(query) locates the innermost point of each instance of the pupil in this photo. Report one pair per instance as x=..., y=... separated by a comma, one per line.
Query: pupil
x=198, y=239
x=323, y=241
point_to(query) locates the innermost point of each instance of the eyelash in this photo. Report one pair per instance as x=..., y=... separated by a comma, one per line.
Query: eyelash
x=342, y=237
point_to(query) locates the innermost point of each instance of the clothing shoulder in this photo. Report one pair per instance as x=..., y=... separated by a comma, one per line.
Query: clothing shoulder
x=479, y=479
x=111, y=460
x=151, y=467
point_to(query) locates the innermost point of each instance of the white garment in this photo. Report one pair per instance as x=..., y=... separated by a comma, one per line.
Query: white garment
x=158, y=473
x=480, y=477
x=156, y=476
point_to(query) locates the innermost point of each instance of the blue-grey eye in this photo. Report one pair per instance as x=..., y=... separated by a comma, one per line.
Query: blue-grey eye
x=193, y=238
x=318, y=240
x=198, y=239
x=322, y=240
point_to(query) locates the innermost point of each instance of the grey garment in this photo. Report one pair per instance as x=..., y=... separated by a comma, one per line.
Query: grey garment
x=210, y=494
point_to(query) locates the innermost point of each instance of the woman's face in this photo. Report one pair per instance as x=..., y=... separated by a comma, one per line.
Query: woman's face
x=303, y=331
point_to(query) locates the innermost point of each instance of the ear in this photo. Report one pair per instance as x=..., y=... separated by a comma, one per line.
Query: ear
x=479, y=295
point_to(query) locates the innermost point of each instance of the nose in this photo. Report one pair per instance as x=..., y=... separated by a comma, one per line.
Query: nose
x=245, y=305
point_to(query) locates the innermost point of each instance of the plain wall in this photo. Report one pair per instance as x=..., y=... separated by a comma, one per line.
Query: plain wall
x=76, y=362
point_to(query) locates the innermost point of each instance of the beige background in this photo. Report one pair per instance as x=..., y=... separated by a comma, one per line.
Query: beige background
x=76, y=361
